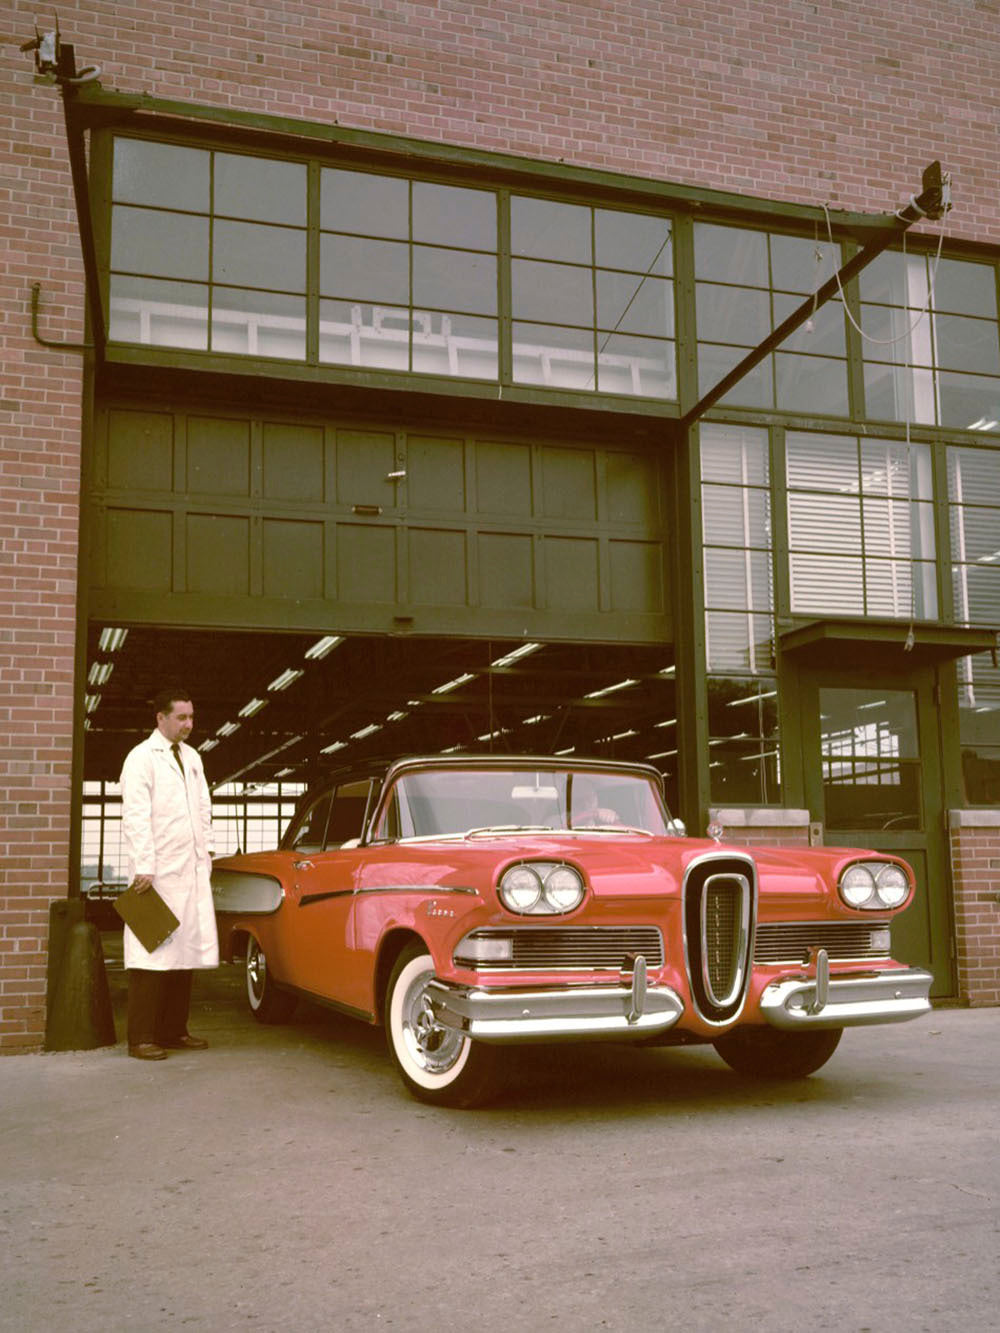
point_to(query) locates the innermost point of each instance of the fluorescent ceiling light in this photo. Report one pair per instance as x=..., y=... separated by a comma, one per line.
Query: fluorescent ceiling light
x=670, y=722
x=539, y=717
x=323, y=646
x=620, y=735
x=571, y=750
x=112, y=639
x=516, y=654
x=228, y=728
x=210, y=744
x=91, y=702
x=366, y=731
x=610, y=689
x=254, y=706
x=752, y=698
x=334, y=747
x=287, y=677
x=397, y=716
x=661, y=754
x=452, y=749
x=878, y=703
x=284, y=772
x=99, y=673
x=453, y=685
x=764, y=754
x=667, y=671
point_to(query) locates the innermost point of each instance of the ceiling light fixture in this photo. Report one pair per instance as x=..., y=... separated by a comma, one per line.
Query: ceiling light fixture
x=210, y=744
x=453, y=685
x=661, y=754
x=228, y=728
x=287, y=677
x=323, y=646
x=99, y=673
x=366, y=731
x=516, y=654
x=91, y=702
x=254, y=706
x=752, y=698
x=112, y=639
x=333, y=747
x=610, y=689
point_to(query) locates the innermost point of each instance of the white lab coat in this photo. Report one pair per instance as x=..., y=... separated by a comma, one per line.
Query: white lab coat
x=167, y=832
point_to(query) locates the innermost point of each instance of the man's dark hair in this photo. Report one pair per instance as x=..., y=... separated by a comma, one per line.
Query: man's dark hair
x=164, y=700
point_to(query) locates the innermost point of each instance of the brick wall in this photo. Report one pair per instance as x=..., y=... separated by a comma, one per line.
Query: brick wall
x=793, y=100
x=975, y=854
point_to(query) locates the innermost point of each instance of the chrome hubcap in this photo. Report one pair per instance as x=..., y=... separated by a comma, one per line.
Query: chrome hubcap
x=431, y=1046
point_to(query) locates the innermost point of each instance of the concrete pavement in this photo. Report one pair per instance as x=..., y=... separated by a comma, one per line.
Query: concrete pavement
x=284, y=1180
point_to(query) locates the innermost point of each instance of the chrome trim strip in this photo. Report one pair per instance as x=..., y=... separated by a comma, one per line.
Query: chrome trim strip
x=435, y=889
x=888, y=997
x=511, y=1017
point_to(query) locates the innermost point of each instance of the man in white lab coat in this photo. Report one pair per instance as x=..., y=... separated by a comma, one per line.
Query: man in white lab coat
x=167, y=832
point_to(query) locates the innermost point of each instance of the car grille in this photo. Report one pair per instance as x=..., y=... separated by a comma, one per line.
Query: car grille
x=723, y=901
x=587, y=948
x=720, y=903
x=790, y=941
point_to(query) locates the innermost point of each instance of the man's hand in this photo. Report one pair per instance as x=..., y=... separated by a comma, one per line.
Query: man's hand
x=142, y=882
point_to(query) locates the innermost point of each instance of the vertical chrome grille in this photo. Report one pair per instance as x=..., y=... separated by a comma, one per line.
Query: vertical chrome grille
x=720, y=903
x=721, y=927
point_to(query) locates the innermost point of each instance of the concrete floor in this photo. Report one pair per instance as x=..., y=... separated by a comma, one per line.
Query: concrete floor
x=284, y=1180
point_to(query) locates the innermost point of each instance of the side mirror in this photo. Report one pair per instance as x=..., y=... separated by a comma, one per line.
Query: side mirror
x=677, y=828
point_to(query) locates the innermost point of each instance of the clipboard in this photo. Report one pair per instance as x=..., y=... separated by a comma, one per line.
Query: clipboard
x=147, y=916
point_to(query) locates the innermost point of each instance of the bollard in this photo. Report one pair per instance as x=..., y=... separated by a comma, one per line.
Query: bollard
x=80, y=1017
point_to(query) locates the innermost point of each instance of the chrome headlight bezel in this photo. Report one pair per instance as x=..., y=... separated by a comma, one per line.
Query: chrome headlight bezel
x=874, y=886
x=561, y=888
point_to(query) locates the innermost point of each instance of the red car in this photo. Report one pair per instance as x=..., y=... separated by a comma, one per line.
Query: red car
x=470, y=904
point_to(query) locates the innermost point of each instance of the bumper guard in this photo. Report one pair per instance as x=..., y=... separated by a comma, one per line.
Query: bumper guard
x=822, y=1001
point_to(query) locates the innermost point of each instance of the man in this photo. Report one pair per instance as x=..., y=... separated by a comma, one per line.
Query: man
x=167, y=831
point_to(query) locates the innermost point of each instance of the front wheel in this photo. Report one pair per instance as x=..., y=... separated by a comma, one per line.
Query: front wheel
x=268, y=1003
x=772, y=1053
x=437, y=1064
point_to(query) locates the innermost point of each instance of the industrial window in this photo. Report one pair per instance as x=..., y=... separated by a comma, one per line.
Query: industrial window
x=747, y=283
x=860, y=527
x=744, y=763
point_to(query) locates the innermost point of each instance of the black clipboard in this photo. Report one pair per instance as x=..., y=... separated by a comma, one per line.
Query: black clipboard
x=147, y=916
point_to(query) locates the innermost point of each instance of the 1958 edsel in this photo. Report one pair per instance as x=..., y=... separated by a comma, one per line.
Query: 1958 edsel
x=470, y=904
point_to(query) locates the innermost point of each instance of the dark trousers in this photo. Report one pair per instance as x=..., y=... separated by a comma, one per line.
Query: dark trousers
x=158, y=1004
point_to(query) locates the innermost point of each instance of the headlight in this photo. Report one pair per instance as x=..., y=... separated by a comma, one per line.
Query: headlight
x=874, y=885
x=541, y=888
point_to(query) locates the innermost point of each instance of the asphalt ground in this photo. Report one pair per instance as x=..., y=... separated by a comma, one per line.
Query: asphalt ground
x=283, y=1179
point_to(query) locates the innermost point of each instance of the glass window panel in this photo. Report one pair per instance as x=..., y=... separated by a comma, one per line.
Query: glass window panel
x=969, y=402
x=736, y=516
x=633, y=241
x=163, y=245
x=730, y=254
x=899, y=528
x=897, y=334
x=551, y=292
x=893, y=468
x=899, y=393
x=965, y=287
x=738, y=641
x=629, y=304
x=818, y=522
x=734, y=454
x=821, y=462
x=542, y=229
x=370, y=270
x=967, y=344
x=454, y=344
x=895, y=279
x=253, y=255
x=452, y=215
x=261, y=189
x=977, y=594
x=974, y=475
x=825, y=337
x=732, y=314
x=744, y=772
x=361, y=334
x=163, y=174
x=258, y=323
x=640, y=366
x=899, y=588
x=979, y=728
x=554, y=357
x=795, y=266
x=738, y=579
x=813, y=384
x=157, y=313
x=870, y=758
x=975, y=535
x=755, y=389
x=826, y=584
x=454, y=280
x=371, y=205
x=738, y=708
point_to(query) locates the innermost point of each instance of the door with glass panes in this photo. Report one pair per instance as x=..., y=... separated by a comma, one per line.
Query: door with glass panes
x=873, y=779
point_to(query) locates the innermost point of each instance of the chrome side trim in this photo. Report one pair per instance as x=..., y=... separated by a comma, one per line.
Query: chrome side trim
x=511, y=1017
x=888, y=997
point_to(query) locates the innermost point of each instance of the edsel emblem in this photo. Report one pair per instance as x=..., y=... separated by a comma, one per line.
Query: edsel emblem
x=432, y=909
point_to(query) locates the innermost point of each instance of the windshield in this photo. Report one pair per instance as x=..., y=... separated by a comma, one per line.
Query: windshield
x=458, y=801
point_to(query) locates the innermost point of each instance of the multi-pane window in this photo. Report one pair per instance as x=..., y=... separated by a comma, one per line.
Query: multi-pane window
x=931, y=345
x=744, y=763
x=860, y=527
x=736, y=541
x=591, y=299
x=748, y=282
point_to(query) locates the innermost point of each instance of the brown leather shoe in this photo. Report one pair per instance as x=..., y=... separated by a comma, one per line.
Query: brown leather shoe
x=185, y=1043
x=147, y=1050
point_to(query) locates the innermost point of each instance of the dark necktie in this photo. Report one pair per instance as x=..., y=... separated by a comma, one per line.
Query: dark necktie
x=175, y=750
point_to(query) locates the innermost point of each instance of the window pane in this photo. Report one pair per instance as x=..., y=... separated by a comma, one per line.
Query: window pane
x=641, y=366
x=737, y=641
x=738, y=580
x=898, y=528
x=979, y=726
x=895, y=279
x=967, y=344
x=965, y=288
x=629, y=304
x=260, y=188
x=634, y=242
x=969, y=402
x=370, y=270
x=359, y=334
x=555, y=357
x=164, y=245
x=818, y=522
x=546, y=230
x=822, y=462
x=900, y=588
x=730, y=254
x=247, y=254
x=743, y=740
x=826, y=334
x=893, y=468
x=160, y=314
x=552, y=292
x=459, y=345
x=831, y=585
x=977, y=594
x=732, y=314
x=372, y=205
x=897, y=334
x=753, y=390
x=734, y=454
x=975, y=535
x=735, y=516
x=795, y=266
x=450, y=215
x=454, y=280
x=815, y=384
x=159, y=173
x=898, y=393
x=258, y=323
x=973, y=476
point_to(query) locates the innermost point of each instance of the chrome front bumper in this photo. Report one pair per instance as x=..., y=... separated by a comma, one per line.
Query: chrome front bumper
x=585, y=1013
x=822, y=1001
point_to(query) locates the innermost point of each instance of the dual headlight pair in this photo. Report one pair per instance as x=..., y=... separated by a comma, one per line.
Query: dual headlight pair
x=541, y=888
x=874, y=884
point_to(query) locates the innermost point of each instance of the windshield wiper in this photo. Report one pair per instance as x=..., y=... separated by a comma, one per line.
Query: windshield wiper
x=509, y=828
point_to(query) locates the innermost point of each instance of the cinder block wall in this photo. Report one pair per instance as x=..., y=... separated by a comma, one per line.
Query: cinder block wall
x=791, y=101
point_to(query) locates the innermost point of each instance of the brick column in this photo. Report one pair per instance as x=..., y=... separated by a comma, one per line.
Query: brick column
x=762, y=826
x=975, y=870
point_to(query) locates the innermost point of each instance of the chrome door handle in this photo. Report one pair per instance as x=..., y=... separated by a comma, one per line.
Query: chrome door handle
x=303, y=865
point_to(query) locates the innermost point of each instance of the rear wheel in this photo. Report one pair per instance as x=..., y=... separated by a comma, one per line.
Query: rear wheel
x=772, y=1053
x=437, y=1064
x=268, y=1003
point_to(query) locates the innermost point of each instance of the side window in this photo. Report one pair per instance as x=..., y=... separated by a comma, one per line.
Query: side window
x=310, y=831
x=347, y=814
